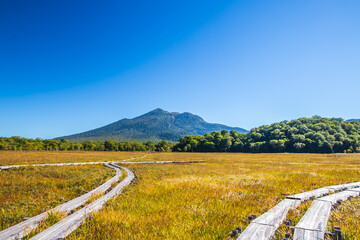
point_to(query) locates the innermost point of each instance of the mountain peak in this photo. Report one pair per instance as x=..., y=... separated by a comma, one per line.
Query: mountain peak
x=158, y=110
x=155, y=125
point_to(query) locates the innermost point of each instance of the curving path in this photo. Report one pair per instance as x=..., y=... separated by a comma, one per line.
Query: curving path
x=20, y=230
x=63, y=164
x=69, y=224
x=66, y=226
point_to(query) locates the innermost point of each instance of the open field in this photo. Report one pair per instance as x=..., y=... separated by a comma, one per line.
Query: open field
x=28, y=191
x=347, y=215
x=208, y=200
x=33, y=157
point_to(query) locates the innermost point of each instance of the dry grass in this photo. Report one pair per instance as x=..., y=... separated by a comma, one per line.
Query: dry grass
x=28, y=191
x=347, y=216
x=208, y=200
x=33, y=157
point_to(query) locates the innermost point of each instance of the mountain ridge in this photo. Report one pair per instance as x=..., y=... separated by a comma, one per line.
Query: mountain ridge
x=155, y=125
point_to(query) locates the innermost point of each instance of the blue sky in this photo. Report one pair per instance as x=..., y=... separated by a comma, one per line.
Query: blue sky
x=70, y=66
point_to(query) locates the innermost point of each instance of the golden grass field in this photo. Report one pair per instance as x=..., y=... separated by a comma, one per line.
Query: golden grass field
x=28, y=191
x=208, y=200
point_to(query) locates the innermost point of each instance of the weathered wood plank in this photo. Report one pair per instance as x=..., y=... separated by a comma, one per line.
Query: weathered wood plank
x=257, y=231
x=20, y=230
x=340, y=196
x=315, y=219
x=310, y=194
x=276, y=215
x=323, y=191
x=313, y=223
x=308, y=234
x=354, y=190
x=265, y=226
x=63, y=228
x=342, y=187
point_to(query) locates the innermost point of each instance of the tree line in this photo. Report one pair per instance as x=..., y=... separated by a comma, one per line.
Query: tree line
x=19, y=143
x=304, y=135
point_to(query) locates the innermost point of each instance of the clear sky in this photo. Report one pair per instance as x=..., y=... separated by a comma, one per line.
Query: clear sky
x=69, y=66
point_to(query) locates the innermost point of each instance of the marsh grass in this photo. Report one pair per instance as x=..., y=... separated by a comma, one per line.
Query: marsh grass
x=178, y=201
x=28, y=191
x=347, y=216
x=208, y=200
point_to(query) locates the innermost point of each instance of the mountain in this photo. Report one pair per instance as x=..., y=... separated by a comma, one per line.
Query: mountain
x=355, y=120
x=155, y=125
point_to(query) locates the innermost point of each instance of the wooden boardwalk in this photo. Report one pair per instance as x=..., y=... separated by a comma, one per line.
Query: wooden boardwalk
x=66, y=226
x=160, y=162
x=91, y=163
x=313, y=224
x=64, y=164
x=264, y=227
x=20, y=230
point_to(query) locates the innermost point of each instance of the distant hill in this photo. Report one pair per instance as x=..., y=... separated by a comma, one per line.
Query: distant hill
x=155, y=126
x=355, y=120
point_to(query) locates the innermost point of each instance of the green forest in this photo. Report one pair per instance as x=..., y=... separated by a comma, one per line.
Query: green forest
x=304, y=135
x=24, y=144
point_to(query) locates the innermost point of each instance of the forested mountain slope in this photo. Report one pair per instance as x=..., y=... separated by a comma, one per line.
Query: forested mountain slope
x=155, y=126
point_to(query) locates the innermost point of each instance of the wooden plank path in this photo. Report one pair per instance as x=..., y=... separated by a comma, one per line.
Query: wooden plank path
x=313, y=224
x=66, y=226
x=91, y=163
x=20, y=230
x=160, y=162
x=24, y=228
x=64, y=164
x=264, y=227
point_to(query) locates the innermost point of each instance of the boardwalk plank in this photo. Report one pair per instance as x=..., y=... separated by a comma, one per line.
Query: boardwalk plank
x=342, y=187
x=355, y=190
x=310, y=194
x=63, y=228
x=275, y=216
x=265, y=226
x=340, y=196
x=315, y=219
x=313, y=224
x=22, y=229
x=257, y=231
